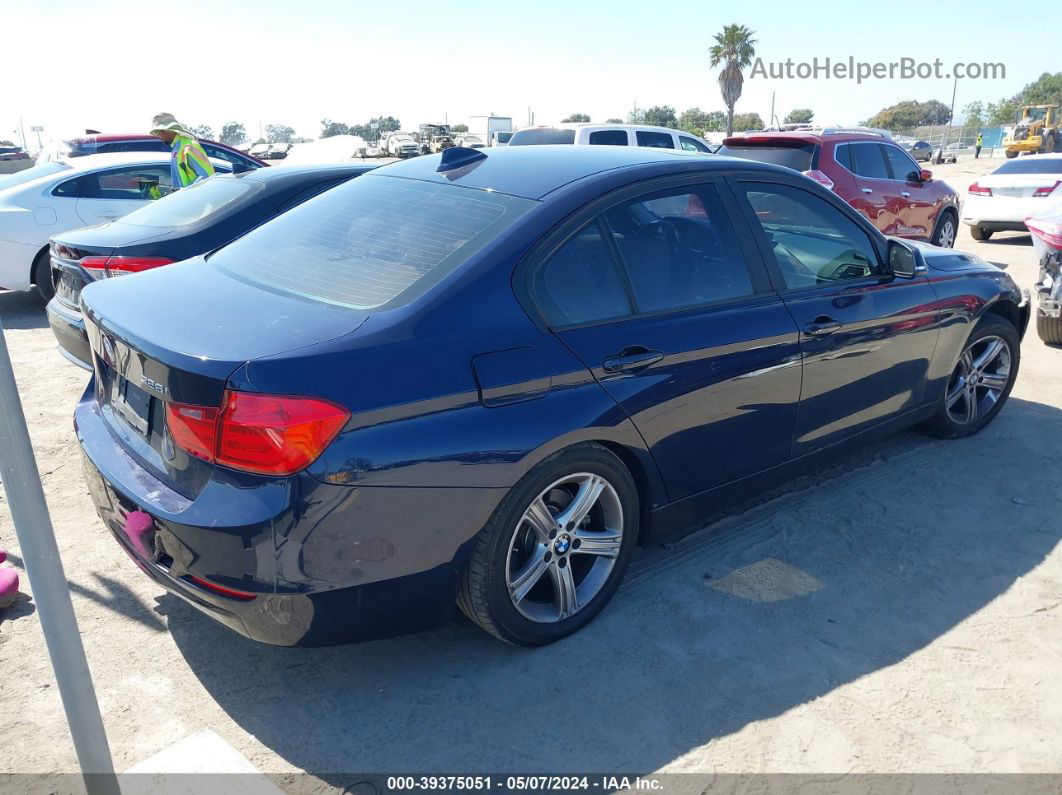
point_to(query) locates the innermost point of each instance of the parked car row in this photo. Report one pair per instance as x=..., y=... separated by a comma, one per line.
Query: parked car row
x=300, y=433
x=98, y=144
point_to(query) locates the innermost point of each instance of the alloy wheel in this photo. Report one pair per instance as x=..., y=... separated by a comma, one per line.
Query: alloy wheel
x=946, y=238
x=979, y=379
x=564, y=547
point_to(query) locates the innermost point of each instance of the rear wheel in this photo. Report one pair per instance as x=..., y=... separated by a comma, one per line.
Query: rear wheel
x=555, y=550
x=980, y=233
x=946, y=229
x=1011, y=153
x=981, y=381
x=42, y=276
x=1049, y=329
x=1048, y=144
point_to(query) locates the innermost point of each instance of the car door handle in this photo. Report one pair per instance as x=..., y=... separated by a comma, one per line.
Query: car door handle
x=822, y=326
x=906, y=194
x=866, y=190
x=631, y=360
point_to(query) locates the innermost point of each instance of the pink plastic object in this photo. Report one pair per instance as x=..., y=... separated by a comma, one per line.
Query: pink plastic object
x=8, y=586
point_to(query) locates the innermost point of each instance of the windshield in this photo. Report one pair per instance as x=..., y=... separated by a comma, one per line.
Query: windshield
x=364, y=243
x=1031, y=165
x=797, y=158
x=192, y=204
x=542, y=135
x=30, y=174
x=1036, y=113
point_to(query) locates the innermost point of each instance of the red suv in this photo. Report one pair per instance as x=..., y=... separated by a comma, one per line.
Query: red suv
x=868, y=171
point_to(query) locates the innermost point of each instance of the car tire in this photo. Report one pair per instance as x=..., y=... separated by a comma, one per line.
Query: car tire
x=966, y=408
x=1011, y=154
x=946, y=232
x=1049, y=329
x=526, y=582
x=42, y=276
x=980, y=233
x=1048, y=144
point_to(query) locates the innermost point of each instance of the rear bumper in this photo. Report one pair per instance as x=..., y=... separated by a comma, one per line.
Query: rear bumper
x=68, y=326
x=317, y=564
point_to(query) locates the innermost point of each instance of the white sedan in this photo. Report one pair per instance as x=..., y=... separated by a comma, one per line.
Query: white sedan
x=1002, y=200
x=58, y=196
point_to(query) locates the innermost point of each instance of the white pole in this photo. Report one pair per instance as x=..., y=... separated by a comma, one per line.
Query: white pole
x=40, y=554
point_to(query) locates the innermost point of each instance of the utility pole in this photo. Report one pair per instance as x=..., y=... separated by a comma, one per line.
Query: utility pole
x=22, y=132
x=770, y=120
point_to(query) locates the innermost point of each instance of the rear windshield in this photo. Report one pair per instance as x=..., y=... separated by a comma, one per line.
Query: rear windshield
x=797, y=158
x=192, y=204
x=364, y=243
x=30, y=174
x=1031, y=165
x=542, y=135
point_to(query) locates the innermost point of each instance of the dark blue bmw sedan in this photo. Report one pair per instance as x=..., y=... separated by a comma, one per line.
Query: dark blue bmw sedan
x=484, y=377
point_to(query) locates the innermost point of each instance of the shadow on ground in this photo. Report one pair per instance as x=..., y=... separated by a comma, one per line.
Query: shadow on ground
x=816, y=589
x=22, y=310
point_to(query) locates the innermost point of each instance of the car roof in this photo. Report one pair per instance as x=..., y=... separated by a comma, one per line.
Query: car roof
x=534, y=171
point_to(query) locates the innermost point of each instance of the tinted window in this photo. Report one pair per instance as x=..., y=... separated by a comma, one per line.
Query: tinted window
x=657, y=140
x=1031, y=165
x=213, y=150
x=192, y=204
x=580, y=282
x=145, y=145
x=797, y=157
x=502, y=137
x=135, y=182
x=868, y=161
x=542, y=135
x=71, y=188
x=609, y=137
x=900, y=163
x=692, y=145
x=365, y=242
x=679, y=250
x=843, y=155
x=813, y=242
x=30, y=174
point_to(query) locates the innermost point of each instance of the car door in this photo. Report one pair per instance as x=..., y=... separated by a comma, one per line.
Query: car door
x=915, y=208
x=661, y=300
x=866, y=335
x=107, y=195
x=876, y=196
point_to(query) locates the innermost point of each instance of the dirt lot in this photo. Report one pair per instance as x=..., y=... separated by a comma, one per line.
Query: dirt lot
x=900, y=611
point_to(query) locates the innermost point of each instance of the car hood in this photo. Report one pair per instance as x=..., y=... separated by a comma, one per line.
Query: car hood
x=948, y=259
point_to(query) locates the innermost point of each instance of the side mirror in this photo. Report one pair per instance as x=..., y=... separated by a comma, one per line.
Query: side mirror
x=905, y=260
x=925, y=175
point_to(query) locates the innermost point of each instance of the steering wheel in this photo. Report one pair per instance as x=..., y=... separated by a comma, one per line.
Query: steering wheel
x=663, y=228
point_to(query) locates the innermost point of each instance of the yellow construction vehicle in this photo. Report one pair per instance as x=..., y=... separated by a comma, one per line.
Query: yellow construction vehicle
x=1037, y=131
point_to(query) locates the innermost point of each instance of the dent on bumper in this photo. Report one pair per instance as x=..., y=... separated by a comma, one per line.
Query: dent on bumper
x=326, y=563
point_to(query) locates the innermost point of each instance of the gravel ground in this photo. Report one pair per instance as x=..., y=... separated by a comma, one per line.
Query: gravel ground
x=899, y=611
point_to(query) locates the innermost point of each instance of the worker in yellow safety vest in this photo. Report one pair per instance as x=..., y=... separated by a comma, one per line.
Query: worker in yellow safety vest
x=189, y=163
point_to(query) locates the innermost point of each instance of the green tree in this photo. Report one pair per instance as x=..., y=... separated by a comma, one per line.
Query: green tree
x=576, y=118
x=1005, y=111
x=203, y=131
x=1045, y=90
x=800, y=116
x=747, y=121
x=279, y=133
x=233, y=133
x=734, y=49
x=911, y=113
x=660, y=116
x=693, y=120
x=460, y=128
x=974, y=114
x=6, y=142
x=330, y=128
x=613, y=121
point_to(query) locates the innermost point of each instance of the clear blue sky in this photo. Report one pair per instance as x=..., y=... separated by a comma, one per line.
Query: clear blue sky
x=112, y=64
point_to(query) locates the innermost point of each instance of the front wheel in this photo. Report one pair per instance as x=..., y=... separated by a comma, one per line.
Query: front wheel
x=981, y=381
x=555, y=550
x=945, y=234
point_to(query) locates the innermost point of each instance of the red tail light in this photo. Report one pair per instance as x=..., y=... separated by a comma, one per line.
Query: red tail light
x=232, y=593
x=1048, y=231
x=977, y=190
x=820, y=177
x=103, y=267
x=1046, y=190
x=265, y=434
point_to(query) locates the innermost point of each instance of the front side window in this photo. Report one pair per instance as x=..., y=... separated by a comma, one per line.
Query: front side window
x=868, y=161
x=367, y=241
x=220, y=153
x=580, y=282
x=657, y=140
x=679, y=250
x=693, y=145
x=813, y=242
x=608, y=138
x=902, y=166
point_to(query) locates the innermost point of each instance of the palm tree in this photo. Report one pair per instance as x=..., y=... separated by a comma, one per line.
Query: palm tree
x=734, y=48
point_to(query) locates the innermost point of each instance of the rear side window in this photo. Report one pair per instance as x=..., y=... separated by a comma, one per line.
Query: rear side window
x=657, y=140
x=364, y=243
x=797, y=157
x=192, y=204
x=608, y=137
x=542, y=135
x=843, y=155
x=580, y=282
x=869, y=161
